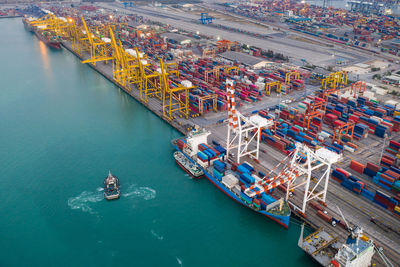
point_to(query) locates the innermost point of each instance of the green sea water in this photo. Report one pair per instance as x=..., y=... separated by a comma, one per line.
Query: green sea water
x=62, y=127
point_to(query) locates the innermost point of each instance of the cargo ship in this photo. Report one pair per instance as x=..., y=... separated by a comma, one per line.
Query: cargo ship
x=111, y=187
x=326, y=250
x=238, y=181
x=192, y=169
x=48, y=37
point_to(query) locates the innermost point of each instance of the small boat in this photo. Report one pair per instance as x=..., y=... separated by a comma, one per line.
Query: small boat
x=111, y=187
x=188, y=166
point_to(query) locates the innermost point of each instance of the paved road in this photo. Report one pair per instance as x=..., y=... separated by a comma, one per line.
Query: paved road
x=295, y=49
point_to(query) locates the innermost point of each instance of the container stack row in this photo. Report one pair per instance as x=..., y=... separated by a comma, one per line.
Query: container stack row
x=353, y=184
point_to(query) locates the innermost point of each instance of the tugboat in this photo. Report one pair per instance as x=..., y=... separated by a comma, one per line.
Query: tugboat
x=111, y=187
x=188, y=166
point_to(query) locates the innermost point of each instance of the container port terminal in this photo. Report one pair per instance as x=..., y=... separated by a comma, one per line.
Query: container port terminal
x=317, y=89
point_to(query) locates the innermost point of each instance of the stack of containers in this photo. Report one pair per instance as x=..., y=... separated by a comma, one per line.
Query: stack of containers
x=330, y=119
x=371, y=169
x=396, y=186
x=394, y=146
x=385, y=200
x=396, y=211
x=368, y=194
x=386, y=178
x=207, y=154
x=219, y=169
x=360, y=131
x=266, y=199
x=245, y=176
x=387, y=160
x=353, y=184
x=339, y=175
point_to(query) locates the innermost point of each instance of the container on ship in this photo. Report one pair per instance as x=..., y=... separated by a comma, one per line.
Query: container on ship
x=47, y=36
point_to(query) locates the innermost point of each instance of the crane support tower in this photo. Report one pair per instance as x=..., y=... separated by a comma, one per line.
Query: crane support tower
x=206, y=19
x=244, y=133
x=303, y=164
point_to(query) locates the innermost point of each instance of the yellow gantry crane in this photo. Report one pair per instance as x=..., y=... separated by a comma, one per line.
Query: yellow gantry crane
x=53, y=23
x=335, y=80
x=100, y=50
x=231, y=69
x=130, y=67
x=205, y=98
x=76, y=36
x=126, y=67
x=270, y=85
x=292, y=75
x=150, y=81
x=174, y=98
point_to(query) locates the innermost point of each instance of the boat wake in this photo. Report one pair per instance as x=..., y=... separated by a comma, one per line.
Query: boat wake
x=85, y=200
x=179, y=261
x=159, y=237
x=145, y=193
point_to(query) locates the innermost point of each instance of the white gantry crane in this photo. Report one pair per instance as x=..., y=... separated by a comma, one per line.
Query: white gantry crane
x=304, y=164
x=297, y=171
x=244, y=133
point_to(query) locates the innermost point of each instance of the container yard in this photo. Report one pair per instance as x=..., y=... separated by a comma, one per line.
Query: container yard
x=279, y=101
x=376, y=32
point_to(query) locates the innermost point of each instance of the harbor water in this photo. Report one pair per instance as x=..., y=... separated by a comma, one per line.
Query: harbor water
x=63, y=127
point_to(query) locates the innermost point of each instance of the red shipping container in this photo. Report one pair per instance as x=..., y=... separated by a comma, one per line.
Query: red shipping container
x=324, y=216
x=330, y=116
x=389, y=157
x=347, y=174
x=385, y=183
x=390, y=151
x=362, y=185
x=392, y=142
x=338, y=123
x=393, y=174
x=234, y=166
x=357, y=166
x=386, y=177
x=339, y=114
x=353, y=118
x=352, y=145
x=382, y=200
x=336, y=179
x=282, y=188
x=315, y=206
x=387, y=162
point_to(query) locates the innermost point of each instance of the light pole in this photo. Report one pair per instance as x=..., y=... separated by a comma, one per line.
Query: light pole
x=383, y=147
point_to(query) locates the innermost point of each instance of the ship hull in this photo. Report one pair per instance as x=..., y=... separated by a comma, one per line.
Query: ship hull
x=27, y=25
x=281, y=220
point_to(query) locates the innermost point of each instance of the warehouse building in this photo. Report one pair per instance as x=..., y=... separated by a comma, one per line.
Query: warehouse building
x=176, y=38
x=245, y=59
